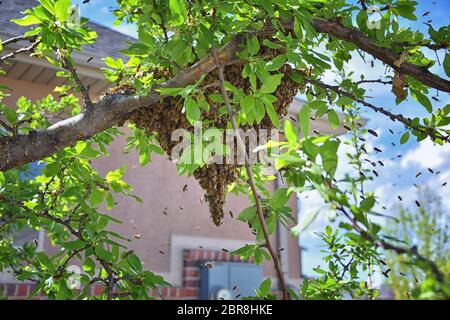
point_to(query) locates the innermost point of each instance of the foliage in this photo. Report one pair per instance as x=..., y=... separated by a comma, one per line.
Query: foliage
x=70, y=199
x=426, y=228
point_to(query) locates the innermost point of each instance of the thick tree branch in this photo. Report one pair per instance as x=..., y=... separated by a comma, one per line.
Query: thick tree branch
x=106, y=113
x=336, y=29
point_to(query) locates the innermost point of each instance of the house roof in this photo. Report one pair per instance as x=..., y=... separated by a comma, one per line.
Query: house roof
x=108, y=43
x=26, y=68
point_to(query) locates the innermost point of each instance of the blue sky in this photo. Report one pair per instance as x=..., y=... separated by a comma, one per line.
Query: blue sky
x=398, y=175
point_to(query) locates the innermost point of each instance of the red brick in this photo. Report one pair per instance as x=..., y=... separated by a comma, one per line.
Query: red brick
x=190, y=273
x=22, y=290
x=191, y=283
x=189, y=292
x=190, y=263
x=98, y=290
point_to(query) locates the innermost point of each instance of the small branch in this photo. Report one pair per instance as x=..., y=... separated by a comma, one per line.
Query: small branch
x=67, y=64
x=7, y=127
x=429, y=131
x=431, y=46
x=398, y=249
x=251, y=180
x=12, y=40
x=21, y=50
x=387, y=82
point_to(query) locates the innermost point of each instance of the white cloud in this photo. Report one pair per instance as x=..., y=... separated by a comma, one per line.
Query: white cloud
x=358, y=66
x=427, y=154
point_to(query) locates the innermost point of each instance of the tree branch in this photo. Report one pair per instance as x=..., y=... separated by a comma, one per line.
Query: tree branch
x=336, y=29
x=111, y=109
x=106, y=113
x=13, y=40
x=251, y=180
x=16, y=52
x=67, y=64
x=429, y=131
x=398, y=249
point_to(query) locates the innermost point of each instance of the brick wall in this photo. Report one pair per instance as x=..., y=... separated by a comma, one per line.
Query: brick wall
x=192, y=260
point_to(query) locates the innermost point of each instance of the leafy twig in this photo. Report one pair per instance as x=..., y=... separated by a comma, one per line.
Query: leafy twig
x=67, y=64
x=251, y=180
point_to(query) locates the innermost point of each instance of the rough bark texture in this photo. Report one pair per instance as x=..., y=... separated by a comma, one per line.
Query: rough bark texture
x=386, y=55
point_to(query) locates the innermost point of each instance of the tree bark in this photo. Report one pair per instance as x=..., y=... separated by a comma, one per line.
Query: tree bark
x=336, y=29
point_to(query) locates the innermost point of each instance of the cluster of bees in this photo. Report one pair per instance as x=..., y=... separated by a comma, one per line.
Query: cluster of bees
x=167, y=116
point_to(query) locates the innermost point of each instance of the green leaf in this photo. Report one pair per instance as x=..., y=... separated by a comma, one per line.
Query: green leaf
x=305, y=223
x=2, y=179
x=96, y=196
x=304, y=120
x=333, y=119
x=103, y=254
x=89, y=266
x=110, y=202
x=178, y=9
x=404, y=138
x=26, y=21
x=74, y=245
x=423, y=100
x=192, y=110
x=115, y=64
x=247, y=103
x=280, y=197
x=134, y=262
x=447, y=64
x=45, y=261
x=11, y=115
x=264, y=288
x=253, y=45
x=276, y=63
x=290, y=131
x=48, y=4
x=328, y=152
x=271, y=83
x=368, y=203
x=170, y=91
x=62, y=11
x=247, y=214
x=260, y=110
x=272, y=114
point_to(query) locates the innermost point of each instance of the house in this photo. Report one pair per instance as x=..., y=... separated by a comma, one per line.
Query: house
x=176, y=234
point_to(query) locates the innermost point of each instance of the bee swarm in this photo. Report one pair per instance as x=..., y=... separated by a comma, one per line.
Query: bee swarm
x=166, y=116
